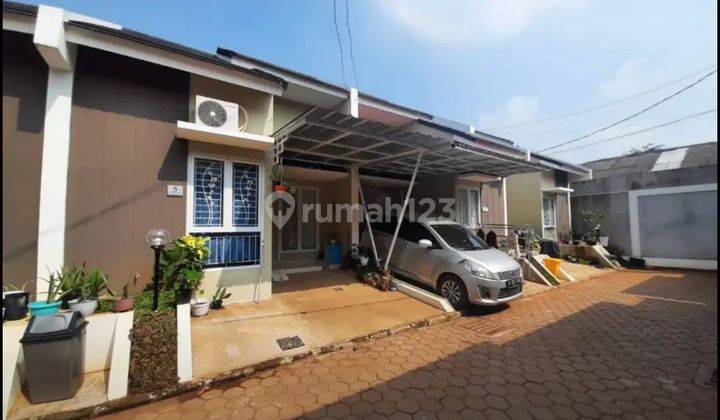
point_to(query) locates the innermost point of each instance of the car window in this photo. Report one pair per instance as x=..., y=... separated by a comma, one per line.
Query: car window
x=460, y=238
x=414, y=232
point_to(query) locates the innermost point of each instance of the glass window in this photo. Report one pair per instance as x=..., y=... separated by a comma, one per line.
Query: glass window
x=414, y=232
x=208, y=193
x=245, y=195
x=548, y=211
x=460, y=238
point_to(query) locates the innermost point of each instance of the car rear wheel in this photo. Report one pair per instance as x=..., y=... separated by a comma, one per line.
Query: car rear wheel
x=453, y=289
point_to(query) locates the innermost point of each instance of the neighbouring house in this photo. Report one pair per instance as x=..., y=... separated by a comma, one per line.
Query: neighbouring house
x=542, y=199
x=108, y=132
x=660, y=205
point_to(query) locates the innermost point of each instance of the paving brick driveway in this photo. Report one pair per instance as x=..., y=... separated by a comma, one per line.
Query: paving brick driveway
x=626, y=344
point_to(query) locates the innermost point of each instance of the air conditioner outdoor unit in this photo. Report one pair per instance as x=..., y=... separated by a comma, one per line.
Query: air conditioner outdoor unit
x=219, y=114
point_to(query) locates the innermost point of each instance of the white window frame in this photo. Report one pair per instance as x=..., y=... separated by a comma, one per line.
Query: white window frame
x=227, y=213
x=542, y=215
x=466, y=190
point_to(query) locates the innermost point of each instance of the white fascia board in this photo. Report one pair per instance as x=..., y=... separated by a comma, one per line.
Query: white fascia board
x=291, y=79
x=18, y=23
x=372, y=103
x=558, y=190
x=49, y=38
x=113, y=44
x=203, y=133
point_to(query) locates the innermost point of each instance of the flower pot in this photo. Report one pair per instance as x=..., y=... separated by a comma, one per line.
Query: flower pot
x=216, y=304
x=123, y=305
x=85, y=307
x=42, y=308
x=15, y=305
x=200, y=307
x=280, y=188
x=183, y=296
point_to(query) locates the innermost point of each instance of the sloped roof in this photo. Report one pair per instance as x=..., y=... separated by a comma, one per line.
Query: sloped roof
x=696, y=155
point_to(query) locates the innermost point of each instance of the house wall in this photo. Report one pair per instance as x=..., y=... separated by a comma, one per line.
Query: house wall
x=285, y=111
x=524, y=200
x=616, y=220
x=609, y=196
x=25, y=76
x=123, y=153
x=258, y=105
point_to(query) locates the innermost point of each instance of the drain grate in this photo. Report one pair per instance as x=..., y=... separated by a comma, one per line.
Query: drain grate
x=289, y=343
x=486, y=327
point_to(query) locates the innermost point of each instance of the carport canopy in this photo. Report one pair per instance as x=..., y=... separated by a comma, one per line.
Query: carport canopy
x=333, y=138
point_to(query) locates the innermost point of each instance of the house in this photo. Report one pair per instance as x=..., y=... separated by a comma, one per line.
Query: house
x=108, y=133
x=541, y=200
x=660, y=205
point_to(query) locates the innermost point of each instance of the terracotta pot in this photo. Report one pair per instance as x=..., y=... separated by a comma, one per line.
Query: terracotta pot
x=280, y=188
x=123, y=305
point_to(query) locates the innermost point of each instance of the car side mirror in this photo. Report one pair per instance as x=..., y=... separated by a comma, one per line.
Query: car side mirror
x=425, y=243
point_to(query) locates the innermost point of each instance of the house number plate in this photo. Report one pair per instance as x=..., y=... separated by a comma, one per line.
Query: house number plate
x=174, y=190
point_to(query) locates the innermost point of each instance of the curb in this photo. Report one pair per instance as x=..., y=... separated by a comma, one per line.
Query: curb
x=136, y=400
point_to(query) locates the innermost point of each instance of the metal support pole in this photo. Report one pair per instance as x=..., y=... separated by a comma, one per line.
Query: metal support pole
x=402, y=211
x=367, y=220
x=156, y=277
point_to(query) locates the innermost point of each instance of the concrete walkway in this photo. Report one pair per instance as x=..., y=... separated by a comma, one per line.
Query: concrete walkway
x=320, y=308
x=629, y=344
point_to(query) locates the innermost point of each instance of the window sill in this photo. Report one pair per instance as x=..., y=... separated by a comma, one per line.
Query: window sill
x=202, y=133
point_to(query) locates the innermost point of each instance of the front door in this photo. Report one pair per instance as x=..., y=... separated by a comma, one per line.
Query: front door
x=300, y=231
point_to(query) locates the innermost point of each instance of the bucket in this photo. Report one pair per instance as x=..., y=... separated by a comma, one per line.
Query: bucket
x=553, y=265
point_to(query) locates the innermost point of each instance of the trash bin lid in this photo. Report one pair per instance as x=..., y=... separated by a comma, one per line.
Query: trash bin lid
x=53, y=327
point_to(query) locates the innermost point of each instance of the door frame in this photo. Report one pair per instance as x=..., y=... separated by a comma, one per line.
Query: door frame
x=298, y=228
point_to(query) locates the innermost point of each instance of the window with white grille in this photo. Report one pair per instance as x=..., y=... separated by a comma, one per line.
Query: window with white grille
x=225, y=207
x=467, y=207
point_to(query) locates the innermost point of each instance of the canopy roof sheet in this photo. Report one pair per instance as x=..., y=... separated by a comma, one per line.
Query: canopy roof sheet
x=333, y=138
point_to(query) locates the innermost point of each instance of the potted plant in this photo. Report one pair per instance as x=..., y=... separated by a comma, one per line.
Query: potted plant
x=53, y=296
x=123, y=304
x=15, y=302
x=72, y=283
x=220, y=295
x=279, y=183
x=94, y=283
x=182, y=266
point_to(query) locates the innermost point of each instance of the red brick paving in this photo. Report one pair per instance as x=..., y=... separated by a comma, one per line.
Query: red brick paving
x=624, y=345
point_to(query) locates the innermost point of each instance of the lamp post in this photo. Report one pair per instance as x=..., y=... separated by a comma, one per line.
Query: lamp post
x=157, y=238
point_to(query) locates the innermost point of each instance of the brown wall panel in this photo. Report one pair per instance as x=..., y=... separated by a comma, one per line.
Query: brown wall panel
x=491, y=197
x=24, y=91
x=123, y=153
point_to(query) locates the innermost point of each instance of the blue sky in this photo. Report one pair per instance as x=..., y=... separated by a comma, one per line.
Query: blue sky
x=489, y=63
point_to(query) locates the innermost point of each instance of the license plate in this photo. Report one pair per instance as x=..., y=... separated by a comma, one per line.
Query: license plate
x=513, y=283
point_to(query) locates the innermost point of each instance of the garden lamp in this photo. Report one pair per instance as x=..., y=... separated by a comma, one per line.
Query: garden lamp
x=157, y=239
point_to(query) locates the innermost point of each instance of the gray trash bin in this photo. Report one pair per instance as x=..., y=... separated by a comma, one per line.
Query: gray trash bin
x=54, y=351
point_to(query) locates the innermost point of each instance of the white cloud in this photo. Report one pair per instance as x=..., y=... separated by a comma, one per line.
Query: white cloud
x=516, y=110
x=464, y=20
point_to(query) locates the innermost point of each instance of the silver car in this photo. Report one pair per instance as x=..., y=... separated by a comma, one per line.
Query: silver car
x=453, y=260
